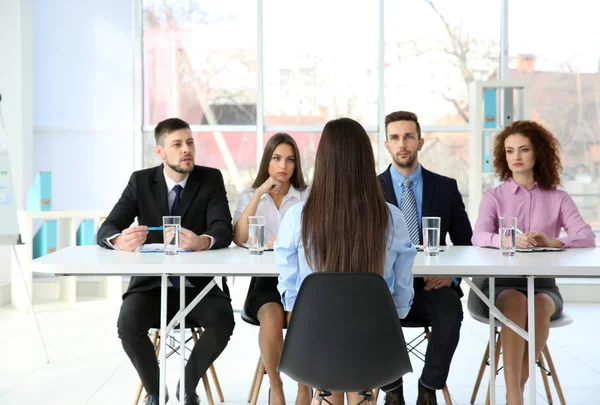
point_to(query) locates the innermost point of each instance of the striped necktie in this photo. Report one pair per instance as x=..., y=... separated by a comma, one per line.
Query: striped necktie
x=409, y=210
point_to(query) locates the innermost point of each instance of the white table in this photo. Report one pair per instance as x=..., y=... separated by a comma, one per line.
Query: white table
x=456, y=261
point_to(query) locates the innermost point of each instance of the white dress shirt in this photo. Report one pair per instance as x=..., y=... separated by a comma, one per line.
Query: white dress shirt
x=268, y=209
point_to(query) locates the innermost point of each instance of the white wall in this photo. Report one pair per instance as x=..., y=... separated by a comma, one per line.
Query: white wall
x=83, y=99
x=17, y=104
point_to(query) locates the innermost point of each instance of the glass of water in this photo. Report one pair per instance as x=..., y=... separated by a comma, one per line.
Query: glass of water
x=171, y=230
x=431, y=235
x=256, y=235
x=508, y=235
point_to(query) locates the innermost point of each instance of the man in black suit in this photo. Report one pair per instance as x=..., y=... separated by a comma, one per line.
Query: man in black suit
x=421, y=193
x=197, y=194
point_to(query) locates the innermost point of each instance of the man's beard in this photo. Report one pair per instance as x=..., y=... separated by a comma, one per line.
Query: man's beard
x=409, y=163
x=178, y=169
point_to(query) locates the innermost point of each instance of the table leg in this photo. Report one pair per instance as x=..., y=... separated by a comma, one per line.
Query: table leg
x=531, y=337
x=191, y=306
x=495, y=313
x=182, y=339
x=492, y=325
x=163, y=339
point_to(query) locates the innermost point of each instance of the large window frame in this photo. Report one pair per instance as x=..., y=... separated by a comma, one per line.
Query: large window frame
x=260, y=128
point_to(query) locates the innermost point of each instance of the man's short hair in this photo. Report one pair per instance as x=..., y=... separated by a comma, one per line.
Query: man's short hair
x=167, y=126
x=403, y=116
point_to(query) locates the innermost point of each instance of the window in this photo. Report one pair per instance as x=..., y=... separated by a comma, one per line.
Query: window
x=200, y=61
x=320, y=62
x=562, y=62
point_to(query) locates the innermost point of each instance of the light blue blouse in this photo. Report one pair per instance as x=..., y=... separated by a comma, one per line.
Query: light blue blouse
x=293, y=268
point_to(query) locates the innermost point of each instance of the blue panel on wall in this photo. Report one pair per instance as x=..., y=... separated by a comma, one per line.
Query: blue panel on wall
x=490, y=114
x=44, y=241
x=39, y=195
x=39, y=198
x=85, y=233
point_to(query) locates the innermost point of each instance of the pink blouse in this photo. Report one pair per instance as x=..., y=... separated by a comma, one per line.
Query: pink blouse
x=536, y=210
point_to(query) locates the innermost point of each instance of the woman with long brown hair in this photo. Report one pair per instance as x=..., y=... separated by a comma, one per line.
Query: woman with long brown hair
x=345, y=224
x=278, y=186
x=527, y=159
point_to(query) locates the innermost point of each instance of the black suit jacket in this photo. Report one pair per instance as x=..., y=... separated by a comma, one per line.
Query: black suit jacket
x=203, y=208
x=440, y=199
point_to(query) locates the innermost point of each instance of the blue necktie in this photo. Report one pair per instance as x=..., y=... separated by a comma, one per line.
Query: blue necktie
x=175, y=207
x=175, y=211
x=409, y=210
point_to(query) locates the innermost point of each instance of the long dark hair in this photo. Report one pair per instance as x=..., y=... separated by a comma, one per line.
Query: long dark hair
x=345, y=219
x=297, y=179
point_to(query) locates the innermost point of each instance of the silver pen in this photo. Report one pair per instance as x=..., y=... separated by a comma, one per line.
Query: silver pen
x=520, y=231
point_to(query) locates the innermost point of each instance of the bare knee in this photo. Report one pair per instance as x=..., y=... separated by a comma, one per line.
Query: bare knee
x=544, y=306
x=271, y=316
x=513, y=304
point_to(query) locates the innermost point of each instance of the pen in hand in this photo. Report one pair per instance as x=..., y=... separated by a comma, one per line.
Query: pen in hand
x=155, y=228
x=523, y=233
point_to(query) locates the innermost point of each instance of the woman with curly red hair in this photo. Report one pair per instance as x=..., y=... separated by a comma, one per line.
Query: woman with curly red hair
x=526, y=158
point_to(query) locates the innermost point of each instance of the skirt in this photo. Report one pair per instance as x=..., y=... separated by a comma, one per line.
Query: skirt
x=262, y=290
x=541, y=286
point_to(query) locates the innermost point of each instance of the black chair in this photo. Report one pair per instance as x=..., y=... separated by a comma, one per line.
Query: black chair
x=344, y=335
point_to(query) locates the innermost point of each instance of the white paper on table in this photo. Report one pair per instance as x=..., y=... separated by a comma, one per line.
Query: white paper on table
x=156, y=248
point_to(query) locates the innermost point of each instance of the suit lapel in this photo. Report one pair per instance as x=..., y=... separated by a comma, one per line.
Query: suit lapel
x=388, y=189
x=159, y=190
x=189, y=192
x=428, y=192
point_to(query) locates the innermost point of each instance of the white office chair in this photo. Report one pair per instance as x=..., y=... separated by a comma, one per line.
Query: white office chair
x=564, y=320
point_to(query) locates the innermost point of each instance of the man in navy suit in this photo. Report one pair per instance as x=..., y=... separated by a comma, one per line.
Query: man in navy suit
x=421, y=193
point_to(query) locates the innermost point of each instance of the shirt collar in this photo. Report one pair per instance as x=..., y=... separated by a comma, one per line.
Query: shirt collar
x=171, y=184
x=292, y=193
x=398, y=178
x=513, y=187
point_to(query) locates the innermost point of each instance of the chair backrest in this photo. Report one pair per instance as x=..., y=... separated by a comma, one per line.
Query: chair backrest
x=344, y=334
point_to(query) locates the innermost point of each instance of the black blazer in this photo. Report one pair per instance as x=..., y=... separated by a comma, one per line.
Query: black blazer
x=204, y=210
x=440, y=199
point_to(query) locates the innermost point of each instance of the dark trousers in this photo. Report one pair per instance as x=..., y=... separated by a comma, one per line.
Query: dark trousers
x=441, y=309
x=141, y=311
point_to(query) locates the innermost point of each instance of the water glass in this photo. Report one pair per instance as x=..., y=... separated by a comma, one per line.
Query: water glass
x=508, y=235
x=431, y=235
x=171, y=231
x=256, y=235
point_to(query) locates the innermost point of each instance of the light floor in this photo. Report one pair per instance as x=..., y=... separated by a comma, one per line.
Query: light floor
x=88, y=366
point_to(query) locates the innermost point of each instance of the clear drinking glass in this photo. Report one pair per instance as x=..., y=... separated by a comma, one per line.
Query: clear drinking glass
x=431, y=235
x=508, y=235
x=256, y=235
x=171, y=230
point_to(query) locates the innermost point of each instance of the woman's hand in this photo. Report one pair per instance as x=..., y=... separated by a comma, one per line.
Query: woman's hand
x=524, y=241
x=541, y=239
x=269, y=186
x=271, y=242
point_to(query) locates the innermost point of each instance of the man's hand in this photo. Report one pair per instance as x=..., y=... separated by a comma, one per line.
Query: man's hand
x=188, y=240
x=434, y=283
x=131, y=238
